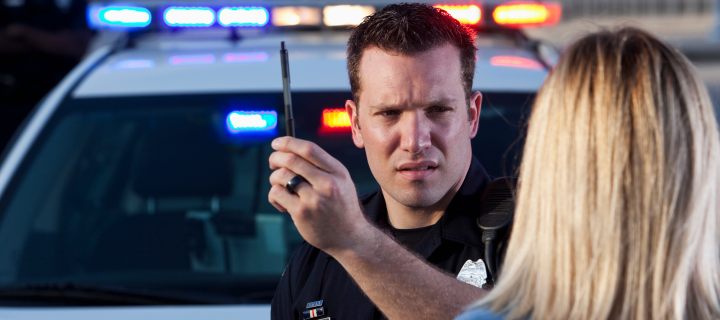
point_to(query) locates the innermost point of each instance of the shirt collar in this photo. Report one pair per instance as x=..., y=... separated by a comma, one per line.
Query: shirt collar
x=459, y=221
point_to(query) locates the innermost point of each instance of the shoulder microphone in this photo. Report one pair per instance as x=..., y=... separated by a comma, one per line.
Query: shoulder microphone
x=497, y=206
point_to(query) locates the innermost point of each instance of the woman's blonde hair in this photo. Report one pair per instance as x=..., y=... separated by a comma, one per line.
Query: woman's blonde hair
x=617, y=212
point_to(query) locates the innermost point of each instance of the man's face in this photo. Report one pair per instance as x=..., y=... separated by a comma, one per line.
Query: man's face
x=413, y=123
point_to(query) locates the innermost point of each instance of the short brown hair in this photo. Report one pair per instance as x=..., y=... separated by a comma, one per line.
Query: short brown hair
x=410, y=29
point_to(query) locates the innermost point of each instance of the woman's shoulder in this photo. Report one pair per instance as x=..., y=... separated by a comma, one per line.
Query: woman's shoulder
x=479, y=314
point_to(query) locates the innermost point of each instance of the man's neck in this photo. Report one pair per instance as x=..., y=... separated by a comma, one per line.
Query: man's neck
x=403, y=217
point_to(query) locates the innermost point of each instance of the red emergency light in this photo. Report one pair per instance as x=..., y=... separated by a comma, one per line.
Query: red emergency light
x=335, y=120
x=527, y=14
x=467, y=14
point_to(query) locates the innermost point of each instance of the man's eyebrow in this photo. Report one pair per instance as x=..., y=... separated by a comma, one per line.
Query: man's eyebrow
x=383, y=107
x=440, y=102
x=431, y=103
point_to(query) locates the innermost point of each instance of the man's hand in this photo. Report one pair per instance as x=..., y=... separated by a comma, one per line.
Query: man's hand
x=325, y=209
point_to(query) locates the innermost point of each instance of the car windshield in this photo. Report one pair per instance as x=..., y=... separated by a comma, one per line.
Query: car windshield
x=168, y=195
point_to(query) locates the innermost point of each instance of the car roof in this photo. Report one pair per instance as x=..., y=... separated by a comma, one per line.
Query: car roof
x=192, y=64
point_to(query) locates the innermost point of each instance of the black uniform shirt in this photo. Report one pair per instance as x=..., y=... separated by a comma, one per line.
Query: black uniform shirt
x=312, y=275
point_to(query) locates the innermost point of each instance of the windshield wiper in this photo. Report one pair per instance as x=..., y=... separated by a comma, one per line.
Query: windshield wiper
x=84, y=294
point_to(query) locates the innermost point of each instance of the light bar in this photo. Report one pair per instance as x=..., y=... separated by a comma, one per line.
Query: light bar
x=243, y=16
x=134, y=64
x=335, y=119
x=251, y=121
x=118, y=17
x=246, y=57
x=515, y=62
x=295, y=16
x=527, y=14
x=189, y=16
x=192, y=59
x=467, y=14
x=346, y=15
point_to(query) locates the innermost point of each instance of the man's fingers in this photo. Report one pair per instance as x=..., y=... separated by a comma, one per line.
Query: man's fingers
x=298, y=165
x=281, y=199
x=284, y=201
x=309, y=151
x=276, y=205
x=282, y=176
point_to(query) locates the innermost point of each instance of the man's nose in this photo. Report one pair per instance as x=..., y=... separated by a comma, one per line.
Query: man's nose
x=415, y=131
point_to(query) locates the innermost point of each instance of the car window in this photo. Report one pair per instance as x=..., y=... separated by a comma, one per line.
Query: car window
x=167, y=194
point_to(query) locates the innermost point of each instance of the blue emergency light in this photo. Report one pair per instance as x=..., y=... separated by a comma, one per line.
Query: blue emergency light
x=243, y=16
x=189, y=17
x=251, y=121
x=118, y=17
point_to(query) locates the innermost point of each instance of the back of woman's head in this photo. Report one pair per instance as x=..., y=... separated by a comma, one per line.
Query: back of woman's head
x=617, y=213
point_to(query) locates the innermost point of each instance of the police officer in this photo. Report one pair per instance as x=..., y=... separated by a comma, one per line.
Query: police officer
x=411, y=69
x=40, y=42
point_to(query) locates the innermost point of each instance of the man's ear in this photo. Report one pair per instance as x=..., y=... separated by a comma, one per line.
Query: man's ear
x=351, y=109
x=474, y=112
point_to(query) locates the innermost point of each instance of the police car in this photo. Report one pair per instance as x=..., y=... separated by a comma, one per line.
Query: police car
x=138, y=187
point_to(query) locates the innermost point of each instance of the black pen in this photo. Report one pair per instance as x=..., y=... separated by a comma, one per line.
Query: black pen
x=289, y=121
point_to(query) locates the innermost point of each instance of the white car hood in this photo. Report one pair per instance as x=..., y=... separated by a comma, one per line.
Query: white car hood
x=254, y=312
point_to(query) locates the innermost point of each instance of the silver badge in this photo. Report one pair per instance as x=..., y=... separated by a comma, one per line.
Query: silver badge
x=473, y=273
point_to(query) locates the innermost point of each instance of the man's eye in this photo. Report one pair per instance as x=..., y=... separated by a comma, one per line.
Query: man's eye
x=439, y=109
x=389, y=113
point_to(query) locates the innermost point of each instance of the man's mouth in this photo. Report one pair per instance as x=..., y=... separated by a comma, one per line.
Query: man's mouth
x=417, y=170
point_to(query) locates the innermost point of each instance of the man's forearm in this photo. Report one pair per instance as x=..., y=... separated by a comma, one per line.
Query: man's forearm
x=401, y=284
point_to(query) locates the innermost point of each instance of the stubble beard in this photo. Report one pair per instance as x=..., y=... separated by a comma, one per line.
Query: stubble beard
x=419, y=195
